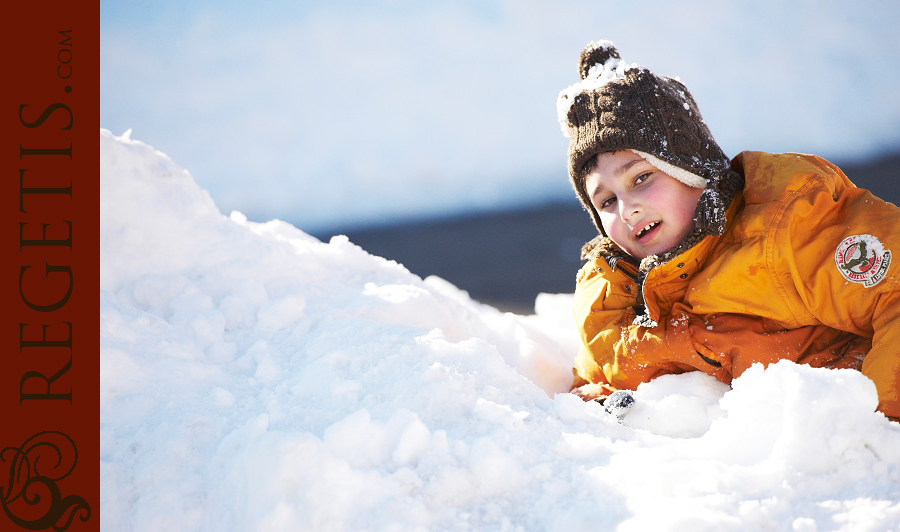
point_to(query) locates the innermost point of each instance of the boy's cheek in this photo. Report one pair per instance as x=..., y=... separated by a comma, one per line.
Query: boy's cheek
x=606, y=224
x=619, y=236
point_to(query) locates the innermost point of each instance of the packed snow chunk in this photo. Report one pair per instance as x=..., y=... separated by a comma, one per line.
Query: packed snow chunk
x=358, y=440
x=275, y=230
x=281, y=313
x=149, y=207
x=155, y=293
x=556, y=308
x=496, y=471
x=410, y=305
x=863, y=514
x=241, y=307
x=414, y=438
x=810, y=418
x=680, y=406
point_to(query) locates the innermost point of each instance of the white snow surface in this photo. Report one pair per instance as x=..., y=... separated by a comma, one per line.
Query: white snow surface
x=255, y=378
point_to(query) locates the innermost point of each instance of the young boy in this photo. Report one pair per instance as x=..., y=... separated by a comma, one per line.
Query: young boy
x=713, y=265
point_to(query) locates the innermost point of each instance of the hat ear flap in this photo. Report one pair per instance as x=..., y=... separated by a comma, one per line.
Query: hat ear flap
x=714, y=201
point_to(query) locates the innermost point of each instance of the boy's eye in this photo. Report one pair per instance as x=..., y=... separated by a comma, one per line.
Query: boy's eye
x=641, y=178
x=607, y=202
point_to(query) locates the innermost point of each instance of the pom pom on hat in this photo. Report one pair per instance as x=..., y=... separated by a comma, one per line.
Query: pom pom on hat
x=599, y=64
x=597, y=53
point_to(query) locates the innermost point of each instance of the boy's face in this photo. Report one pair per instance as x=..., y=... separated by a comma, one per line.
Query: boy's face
x=643, y=210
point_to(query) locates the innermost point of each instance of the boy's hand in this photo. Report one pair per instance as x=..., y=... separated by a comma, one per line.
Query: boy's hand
x=593, y=392
x=616, y=402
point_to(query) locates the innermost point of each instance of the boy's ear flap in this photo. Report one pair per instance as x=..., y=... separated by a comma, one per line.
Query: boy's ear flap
x=714, y=201
x=601, y=246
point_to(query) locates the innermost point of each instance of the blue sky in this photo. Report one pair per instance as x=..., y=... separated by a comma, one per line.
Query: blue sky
x=331, y=114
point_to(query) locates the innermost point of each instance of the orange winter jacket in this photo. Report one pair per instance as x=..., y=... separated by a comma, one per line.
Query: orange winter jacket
x=804, y=271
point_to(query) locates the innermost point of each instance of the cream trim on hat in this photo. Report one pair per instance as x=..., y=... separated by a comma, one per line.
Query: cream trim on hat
x=688, y=178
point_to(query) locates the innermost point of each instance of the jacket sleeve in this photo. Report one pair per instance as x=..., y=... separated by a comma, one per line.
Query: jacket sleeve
x=614, y=352
x=834, y=250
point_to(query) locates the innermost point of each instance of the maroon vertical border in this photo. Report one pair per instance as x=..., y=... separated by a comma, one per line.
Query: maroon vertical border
x=50, y=278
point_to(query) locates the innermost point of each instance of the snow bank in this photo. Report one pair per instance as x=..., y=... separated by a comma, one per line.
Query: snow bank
x=255, y=378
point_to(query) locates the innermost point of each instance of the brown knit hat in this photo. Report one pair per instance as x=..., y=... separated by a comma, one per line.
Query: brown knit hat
x=617, y=106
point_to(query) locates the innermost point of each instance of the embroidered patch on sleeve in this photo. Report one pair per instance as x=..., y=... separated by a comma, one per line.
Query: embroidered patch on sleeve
x=862, y=259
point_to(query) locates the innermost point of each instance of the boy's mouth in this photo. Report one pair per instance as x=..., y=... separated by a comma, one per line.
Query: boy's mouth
x=647, y=230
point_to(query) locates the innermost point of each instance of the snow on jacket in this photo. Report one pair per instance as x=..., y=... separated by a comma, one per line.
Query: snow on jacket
x=804, y=271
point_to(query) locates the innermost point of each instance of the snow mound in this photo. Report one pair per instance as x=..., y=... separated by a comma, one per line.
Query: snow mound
x=255, y=378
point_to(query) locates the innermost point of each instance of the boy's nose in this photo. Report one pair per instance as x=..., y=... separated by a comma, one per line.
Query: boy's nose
x=627, y=211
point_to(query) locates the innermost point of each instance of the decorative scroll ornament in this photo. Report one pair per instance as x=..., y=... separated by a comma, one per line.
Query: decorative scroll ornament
x=31, y=498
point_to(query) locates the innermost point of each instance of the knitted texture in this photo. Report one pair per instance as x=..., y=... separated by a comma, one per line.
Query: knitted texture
x=625, y=107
